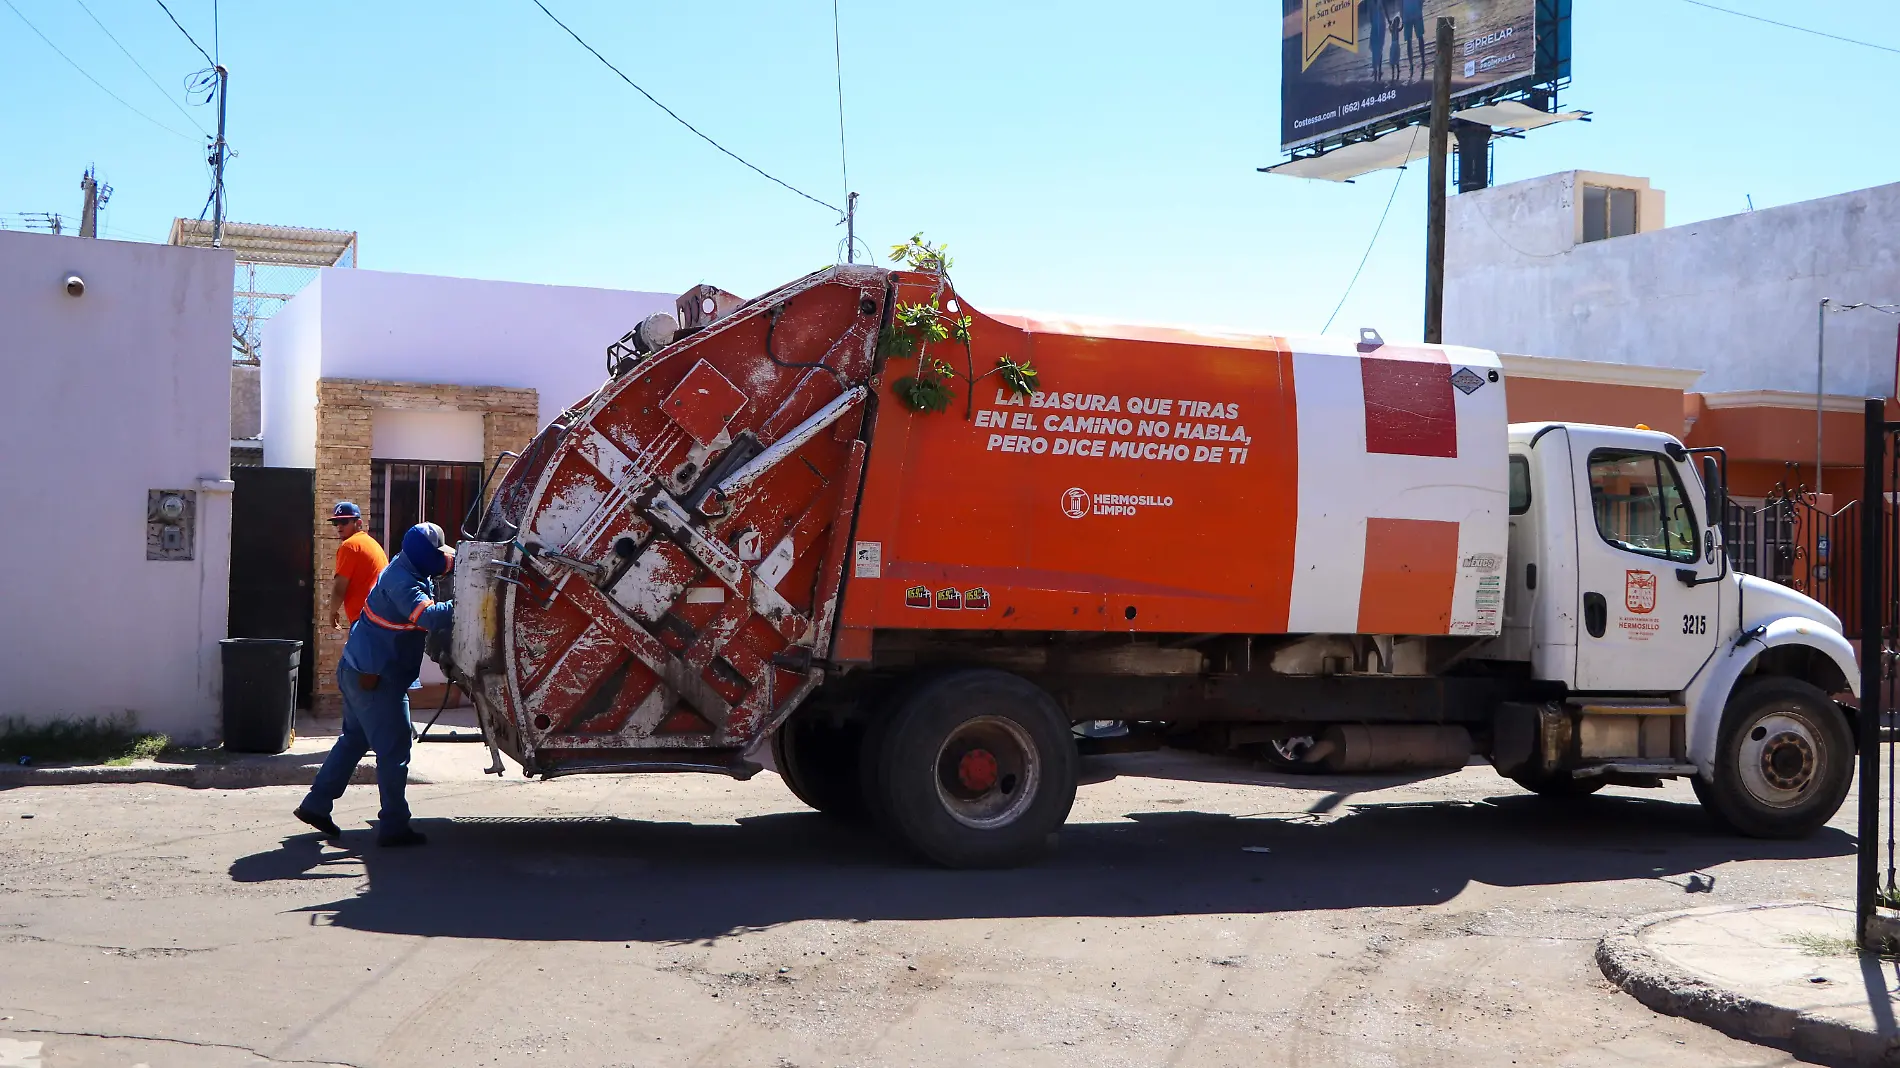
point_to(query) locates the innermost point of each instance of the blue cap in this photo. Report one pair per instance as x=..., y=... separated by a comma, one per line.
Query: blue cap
x=345, y=510
x=426, y=549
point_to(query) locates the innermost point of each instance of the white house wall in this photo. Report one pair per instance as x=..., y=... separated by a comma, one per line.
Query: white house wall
x=403, y=434
x=291, y=358
x=1735, y=297
x=468, y=332
x=122, y=390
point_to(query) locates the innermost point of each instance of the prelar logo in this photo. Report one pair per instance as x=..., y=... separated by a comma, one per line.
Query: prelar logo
x=1639, y=592
x=1075, y=502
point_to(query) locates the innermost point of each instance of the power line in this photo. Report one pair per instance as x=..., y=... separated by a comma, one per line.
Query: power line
x=140, y=66
x=82, y=71
x=1375, y=233
x=1792, y=26
x=187, y=33
x=837, y=53
x=675, y=115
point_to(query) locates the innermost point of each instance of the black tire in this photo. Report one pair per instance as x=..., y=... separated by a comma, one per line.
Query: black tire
x=973, y=769
x=1784, y=759
x=1558, y=785
x=1705, y=795
x=819, y=761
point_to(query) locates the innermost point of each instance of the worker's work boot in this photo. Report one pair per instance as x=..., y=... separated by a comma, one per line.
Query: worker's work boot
x=408, y=836
x=322, y=822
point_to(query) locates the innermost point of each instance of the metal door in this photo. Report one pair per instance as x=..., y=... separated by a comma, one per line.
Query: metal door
x=273, y=560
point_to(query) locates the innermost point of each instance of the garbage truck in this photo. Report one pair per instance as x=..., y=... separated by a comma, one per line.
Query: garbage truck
x=899, y=548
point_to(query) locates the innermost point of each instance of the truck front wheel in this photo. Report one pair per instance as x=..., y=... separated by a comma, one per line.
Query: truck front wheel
x=974, y=769
x=1784, y=760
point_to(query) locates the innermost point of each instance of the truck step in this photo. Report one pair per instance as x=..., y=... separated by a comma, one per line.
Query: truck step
x=1634, y=767
x=1629, y=708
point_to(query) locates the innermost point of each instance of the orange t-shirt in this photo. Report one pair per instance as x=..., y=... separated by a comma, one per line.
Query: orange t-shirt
x=359, y=559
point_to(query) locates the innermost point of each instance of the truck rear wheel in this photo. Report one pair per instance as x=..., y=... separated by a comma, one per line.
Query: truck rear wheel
x=1784, y=759
x=974, y=769
x=819, y=761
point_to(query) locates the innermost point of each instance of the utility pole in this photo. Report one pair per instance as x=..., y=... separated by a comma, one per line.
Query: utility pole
x=218, y=152
x=97, y=193
x=1820, y=383
x=1435, y=205
x=851, y=228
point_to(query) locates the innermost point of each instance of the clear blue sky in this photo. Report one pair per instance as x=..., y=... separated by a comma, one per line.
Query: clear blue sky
x=1096, y=159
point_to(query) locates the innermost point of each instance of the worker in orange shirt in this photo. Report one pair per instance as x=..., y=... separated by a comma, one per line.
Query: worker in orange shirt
x=358, y=561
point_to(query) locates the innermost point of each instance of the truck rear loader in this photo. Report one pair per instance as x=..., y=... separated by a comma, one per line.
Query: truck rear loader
x=908, y=546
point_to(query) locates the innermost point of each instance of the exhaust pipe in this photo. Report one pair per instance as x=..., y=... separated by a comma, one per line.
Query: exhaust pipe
x=1360, y=748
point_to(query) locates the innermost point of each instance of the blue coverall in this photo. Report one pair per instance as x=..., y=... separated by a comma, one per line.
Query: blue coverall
x=386, y=641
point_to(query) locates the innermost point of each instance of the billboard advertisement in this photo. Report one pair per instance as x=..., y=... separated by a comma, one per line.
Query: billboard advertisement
x=1346, y=63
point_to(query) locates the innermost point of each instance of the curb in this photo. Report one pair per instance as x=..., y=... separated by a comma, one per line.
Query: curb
x=235, y=776
x=1630, y=965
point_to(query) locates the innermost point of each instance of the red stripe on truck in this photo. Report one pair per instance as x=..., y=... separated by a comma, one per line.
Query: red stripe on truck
x=1410, y=410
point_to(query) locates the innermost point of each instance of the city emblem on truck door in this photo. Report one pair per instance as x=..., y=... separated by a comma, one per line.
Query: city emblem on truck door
x=1639, y=592
x=1075, y=502
x=917, y=597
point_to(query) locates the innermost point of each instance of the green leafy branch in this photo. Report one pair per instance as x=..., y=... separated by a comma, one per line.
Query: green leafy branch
x=915, y=327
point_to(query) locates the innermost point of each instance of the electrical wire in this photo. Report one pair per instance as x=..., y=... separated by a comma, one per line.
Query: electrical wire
x=187, y=33
x=82, y=72
x=135, y=62
x=837, y=56
x=1792, y=26
x=675, y=115
x=1396, y=182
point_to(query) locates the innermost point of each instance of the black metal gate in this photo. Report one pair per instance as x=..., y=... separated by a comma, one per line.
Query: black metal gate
x=1877, y=563
x=1792, y=540
x=273, y=560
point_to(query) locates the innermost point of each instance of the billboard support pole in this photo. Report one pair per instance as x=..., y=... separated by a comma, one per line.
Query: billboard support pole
x=1435, y=211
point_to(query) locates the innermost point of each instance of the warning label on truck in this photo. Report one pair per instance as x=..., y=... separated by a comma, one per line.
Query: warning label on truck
x=1102, y=427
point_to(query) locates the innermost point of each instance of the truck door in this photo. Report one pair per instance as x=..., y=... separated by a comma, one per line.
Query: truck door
x=1638, y=526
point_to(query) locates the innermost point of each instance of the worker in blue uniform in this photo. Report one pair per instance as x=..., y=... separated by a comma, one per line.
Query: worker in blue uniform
x=381, y=659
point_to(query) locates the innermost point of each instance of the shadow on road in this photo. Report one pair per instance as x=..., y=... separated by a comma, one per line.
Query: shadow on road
x=613, y=879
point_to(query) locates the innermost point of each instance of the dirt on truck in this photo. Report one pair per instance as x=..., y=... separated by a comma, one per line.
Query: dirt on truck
x=909, y=546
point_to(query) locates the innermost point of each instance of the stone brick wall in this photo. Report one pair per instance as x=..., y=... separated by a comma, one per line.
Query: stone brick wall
x=345, y=411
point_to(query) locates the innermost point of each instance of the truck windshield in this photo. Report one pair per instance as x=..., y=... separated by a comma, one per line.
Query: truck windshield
x=1639, y=504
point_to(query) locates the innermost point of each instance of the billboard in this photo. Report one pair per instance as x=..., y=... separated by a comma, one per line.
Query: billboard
x=1347, y=63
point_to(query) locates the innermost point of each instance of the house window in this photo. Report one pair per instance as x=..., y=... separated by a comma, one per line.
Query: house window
x=406, y=492
x=1608, y=212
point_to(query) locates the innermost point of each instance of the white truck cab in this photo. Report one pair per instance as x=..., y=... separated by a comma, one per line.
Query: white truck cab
x=1620, y=594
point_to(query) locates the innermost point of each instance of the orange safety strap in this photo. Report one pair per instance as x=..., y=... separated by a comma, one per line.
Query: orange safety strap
x=370, y=614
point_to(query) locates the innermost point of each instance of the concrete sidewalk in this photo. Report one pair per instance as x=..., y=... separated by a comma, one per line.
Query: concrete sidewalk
x=1786, y=975
x=217, y=769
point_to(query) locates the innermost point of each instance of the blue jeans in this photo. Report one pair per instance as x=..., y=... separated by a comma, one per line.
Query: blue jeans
x=373, y=720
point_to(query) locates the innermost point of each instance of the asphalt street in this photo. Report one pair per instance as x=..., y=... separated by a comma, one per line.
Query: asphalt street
x=685, y=920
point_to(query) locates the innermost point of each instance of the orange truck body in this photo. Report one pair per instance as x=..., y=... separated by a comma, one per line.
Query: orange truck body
x=1155, y=485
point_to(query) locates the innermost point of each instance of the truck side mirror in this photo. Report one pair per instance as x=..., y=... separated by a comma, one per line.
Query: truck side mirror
x=1714, y=491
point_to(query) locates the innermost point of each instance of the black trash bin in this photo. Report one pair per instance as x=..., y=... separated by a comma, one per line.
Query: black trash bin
x=260, y=693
